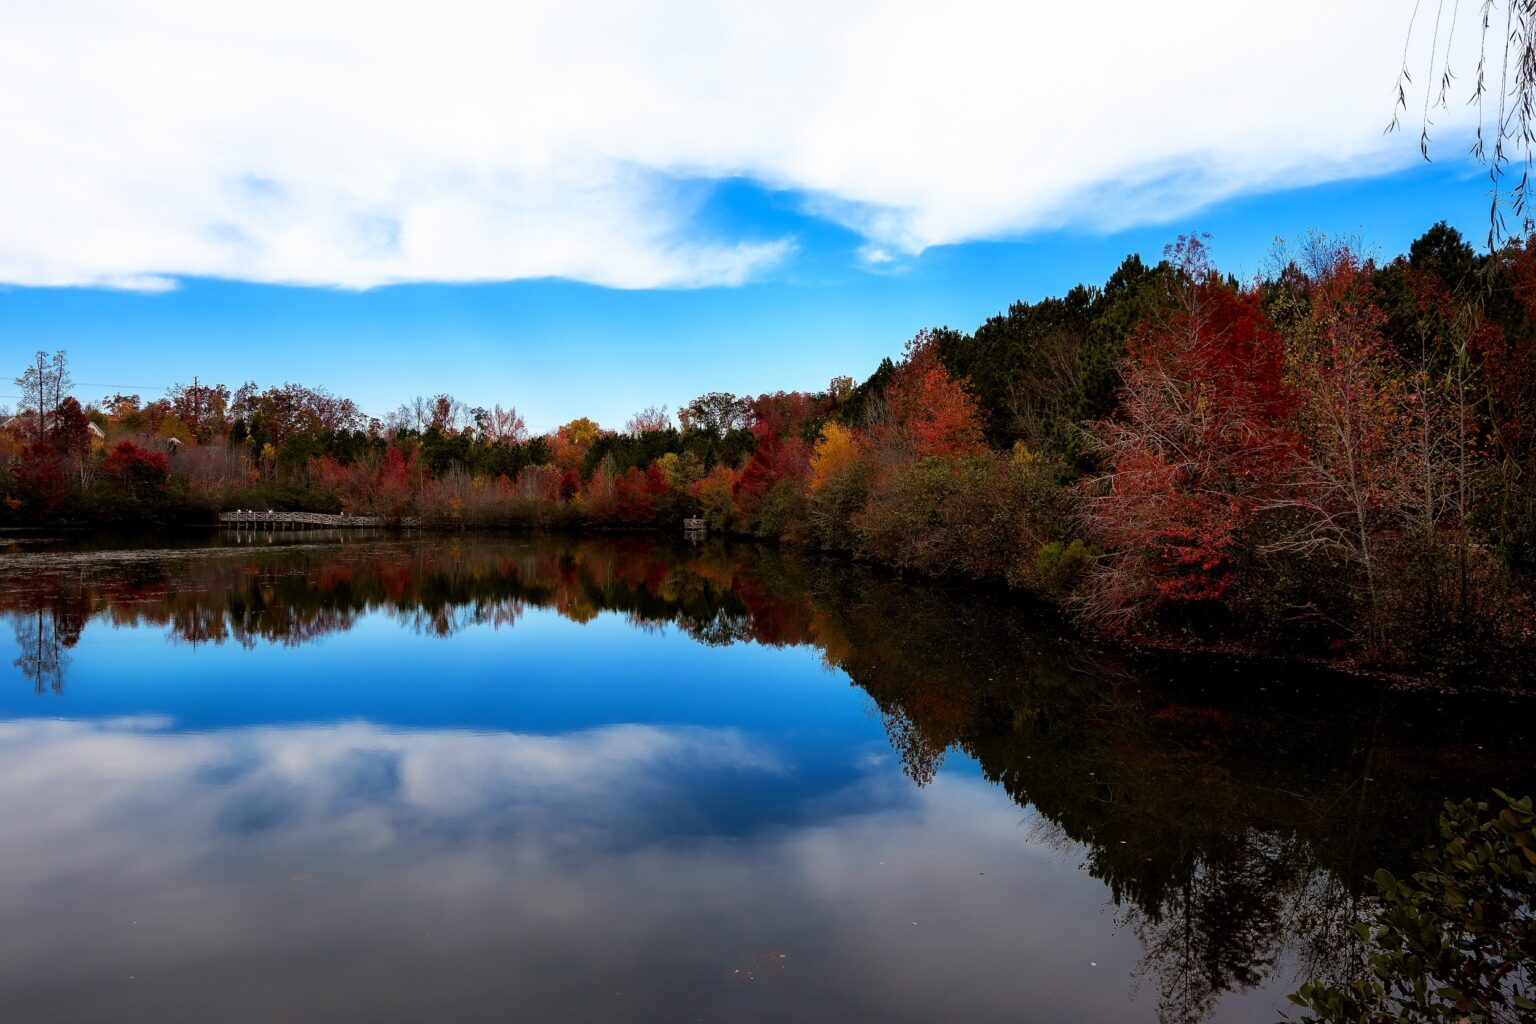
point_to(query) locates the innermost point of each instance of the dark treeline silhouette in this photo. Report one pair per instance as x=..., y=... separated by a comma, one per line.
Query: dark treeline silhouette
x=1234, y=826
x=1337, y=460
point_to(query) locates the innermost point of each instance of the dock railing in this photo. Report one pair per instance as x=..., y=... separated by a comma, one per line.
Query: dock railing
x=270, y=518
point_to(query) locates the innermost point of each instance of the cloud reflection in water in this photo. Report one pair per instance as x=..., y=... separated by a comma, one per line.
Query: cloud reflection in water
x=408, y=875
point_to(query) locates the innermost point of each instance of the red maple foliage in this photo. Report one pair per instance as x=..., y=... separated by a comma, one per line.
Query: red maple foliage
x=784, y=413
x=39, y=480
x=928, y=412
x=774, y=459
x=1200, y=445
x=391, y=485
x=1509, y=362
x=639, y=494
x=136, y=465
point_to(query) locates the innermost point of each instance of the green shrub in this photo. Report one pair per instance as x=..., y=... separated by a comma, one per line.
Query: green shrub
x=1457, y=941
x=982, y=516
x=1059, y=566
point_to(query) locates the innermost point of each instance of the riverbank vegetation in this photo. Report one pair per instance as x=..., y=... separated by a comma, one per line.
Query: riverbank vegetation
x=1336, y=460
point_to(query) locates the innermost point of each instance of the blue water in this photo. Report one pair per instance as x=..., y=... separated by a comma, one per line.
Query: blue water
x=524, y=779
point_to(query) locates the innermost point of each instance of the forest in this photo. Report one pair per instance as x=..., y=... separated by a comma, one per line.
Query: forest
x=1336, y=460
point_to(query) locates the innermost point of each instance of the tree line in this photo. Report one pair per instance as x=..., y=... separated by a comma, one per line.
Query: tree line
x=1338, y=458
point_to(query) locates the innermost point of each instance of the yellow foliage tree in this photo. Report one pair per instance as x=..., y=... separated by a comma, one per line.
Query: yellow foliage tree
x=837, y=449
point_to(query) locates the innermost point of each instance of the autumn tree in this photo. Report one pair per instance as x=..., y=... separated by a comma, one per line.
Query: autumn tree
x=278, y=413
x=680, y=472
x=142, y=470
x=651, y=418
x=1341, y=370
x=123, y=410
x=445, y=413
x=642, y=496
x=70, y=436
x=571, y=441
x=203, y=408
x=928, y=412
x=714, y=494
x=837, y=484
x=37, y=482
x=773, y=460
x=503, y=426
x=785, y=414
x=1200, y=446
x=1507, y=364
x=390, y=489
x=837, y=450
x=600, y=494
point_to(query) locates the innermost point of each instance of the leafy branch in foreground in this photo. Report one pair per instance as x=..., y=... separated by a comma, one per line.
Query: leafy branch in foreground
x=1457, y=941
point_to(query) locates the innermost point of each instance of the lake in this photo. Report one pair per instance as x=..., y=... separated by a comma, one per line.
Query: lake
x=326, y=777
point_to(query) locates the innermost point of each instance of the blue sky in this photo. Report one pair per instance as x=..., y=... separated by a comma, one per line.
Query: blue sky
x=557, y=349
x=584, y=209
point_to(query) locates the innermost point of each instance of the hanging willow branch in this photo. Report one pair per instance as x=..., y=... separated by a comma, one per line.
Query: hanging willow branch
x=1506, y=142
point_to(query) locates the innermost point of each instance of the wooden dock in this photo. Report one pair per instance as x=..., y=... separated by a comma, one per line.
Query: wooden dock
x=321, y=520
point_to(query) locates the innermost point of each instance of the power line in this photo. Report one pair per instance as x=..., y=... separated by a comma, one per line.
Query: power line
x=136, y=387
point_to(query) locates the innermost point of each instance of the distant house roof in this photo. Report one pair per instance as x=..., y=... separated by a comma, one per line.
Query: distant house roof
x=24, y=421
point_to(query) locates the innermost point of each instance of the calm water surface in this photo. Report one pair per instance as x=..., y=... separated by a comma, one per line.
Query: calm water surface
x=326, y=778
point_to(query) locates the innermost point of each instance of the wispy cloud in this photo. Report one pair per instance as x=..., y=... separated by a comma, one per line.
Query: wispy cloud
x=354, y=144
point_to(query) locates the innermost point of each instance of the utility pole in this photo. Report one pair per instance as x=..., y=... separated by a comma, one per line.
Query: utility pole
x=42, y=393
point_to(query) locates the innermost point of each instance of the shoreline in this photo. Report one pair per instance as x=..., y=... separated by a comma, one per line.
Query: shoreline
x=1139, y=642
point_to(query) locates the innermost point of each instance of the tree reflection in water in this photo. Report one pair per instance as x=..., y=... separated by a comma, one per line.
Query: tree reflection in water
x=1231, y=811
x=42, y=658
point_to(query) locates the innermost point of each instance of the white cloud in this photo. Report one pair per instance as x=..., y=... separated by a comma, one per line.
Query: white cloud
x=358, y=144
x=596, y=777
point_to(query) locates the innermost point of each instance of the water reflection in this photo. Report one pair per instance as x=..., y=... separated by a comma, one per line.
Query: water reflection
x=696, y=869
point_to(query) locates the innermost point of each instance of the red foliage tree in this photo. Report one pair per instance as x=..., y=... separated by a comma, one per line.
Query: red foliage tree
x=1509, y=362
x=144, y=470
x=928, y=412
x=70, y=431
x=38, y=481
x=773, y=460
x=390, y=488
x=785, y=413
x=659, y=491
x=636, y=499
x=349, y=484
x=1198, y=449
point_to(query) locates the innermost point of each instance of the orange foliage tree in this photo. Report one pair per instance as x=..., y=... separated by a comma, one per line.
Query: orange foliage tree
x=571, y=441
x=928, y=412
